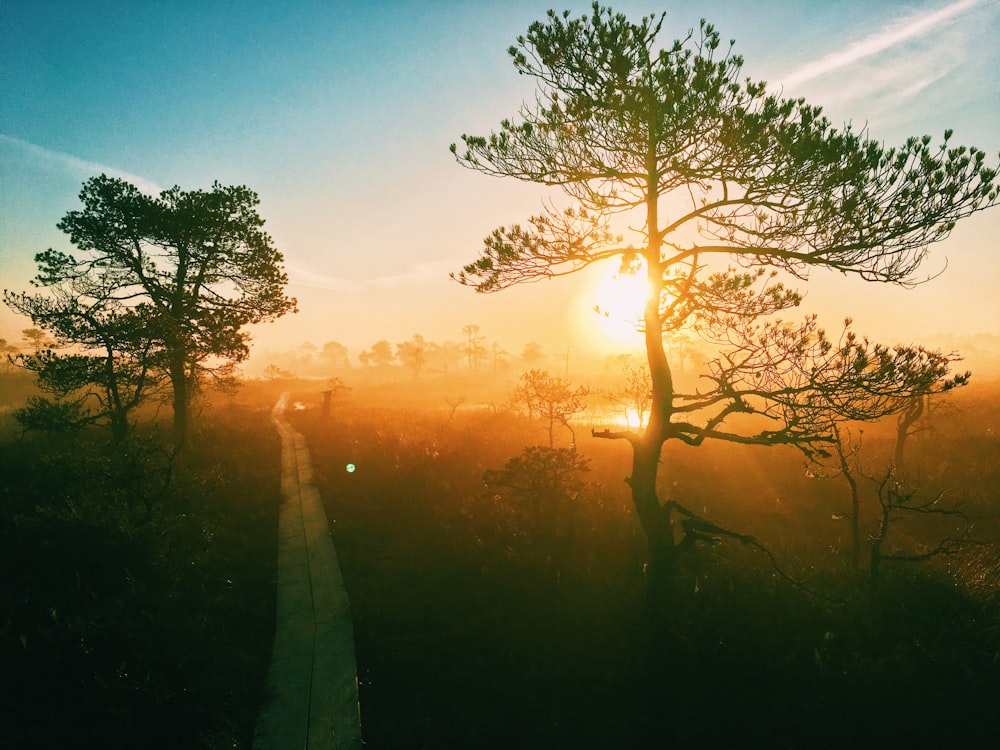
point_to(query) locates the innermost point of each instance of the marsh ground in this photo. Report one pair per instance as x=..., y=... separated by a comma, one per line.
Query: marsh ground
x=140, y=612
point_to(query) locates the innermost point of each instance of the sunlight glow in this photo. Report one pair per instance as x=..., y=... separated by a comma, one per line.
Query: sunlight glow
x=618, y=300
x=632, y=419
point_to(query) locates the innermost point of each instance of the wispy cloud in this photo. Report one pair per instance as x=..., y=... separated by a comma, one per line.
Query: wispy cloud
x=78, y=166
x=884, y=39
x=420, y=273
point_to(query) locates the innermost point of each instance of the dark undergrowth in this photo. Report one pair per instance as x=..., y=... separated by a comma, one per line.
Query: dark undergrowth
x=137, y=606
x=137, y=603
x=485, y=620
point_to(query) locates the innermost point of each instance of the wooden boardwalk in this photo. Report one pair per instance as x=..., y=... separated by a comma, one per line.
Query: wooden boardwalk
x=312, y=680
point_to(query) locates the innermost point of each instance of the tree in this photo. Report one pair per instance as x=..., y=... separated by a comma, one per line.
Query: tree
x=7, y=352
x=445, y=357
x=898, y=500
x=336, y=387
x=916, y=417
x=551, y=398
x=533, y=354
x=35, y=338
x=274, y=372
x=540, y=480
x=191, y=268
x=380, y=355
x=113, y=366
x=897, y=497
x=474, y=346
x=731, y=189
x=636, y=394
x=334, y=354
x=499, y=355
x=413, y=353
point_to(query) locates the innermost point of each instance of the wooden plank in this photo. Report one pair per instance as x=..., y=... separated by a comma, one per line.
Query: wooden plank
x=312, y=680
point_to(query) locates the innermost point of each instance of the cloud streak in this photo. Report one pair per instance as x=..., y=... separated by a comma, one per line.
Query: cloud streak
x=887, y=38
x=78, y=166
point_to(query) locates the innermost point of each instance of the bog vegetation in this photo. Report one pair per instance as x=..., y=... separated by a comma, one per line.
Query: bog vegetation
x=500, y=587
x=137, y=608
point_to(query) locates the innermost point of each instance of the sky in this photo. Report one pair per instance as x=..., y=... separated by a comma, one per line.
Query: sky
x=339, y=115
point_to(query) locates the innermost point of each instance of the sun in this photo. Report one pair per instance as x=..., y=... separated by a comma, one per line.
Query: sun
x=617, y=301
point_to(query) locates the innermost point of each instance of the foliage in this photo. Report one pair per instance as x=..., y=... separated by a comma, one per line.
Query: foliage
x=49, y=415
x=540, y=475
x=730, y=189
x=533, y=353
x=162, y=287
x=273, y=372
x=7, y=352
x=123, y=369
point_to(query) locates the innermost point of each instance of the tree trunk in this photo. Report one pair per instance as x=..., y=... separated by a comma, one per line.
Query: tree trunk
x=182, y=398
x=646, y=450
x=876, y=543
x=654, y=521
x=874, y=572
x=855, y=526
x=119, y=427
x=904, y=428
x=848, y=473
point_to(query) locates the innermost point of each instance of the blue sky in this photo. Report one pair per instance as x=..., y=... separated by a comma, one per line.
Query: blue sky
x=339, y=115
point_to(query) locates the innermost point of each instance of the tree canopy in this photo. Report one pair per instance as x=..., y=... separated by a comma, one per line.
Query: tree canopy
x=733, y=191
x=165, y=284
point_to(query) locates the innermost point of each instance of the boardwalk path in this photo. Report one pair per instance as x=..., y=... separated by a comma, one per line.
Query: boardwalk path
x=313, y=675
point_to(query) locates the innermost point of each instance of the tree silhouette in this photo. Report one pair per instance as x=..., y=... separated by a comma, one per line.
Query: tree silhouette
x=897, y=500
x=551, y=398
x=533, y=354
x=413, y=353
x=35, y=338
x=499, y=356
x=474, y=346
x=334, y=354
x=380, y=355
x=540, y=481
x=7, y=352
x=897, y=494
x=636, y=393
x=445, y=358
x=118, y=368
x=189, y=269
x=730, y=187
